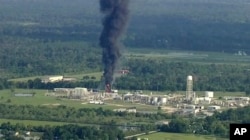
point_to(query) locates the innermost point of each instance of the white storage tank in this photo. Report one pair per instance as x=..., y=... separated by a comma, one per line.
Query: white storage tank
x=155, y=99
x=209, y=94
x=163, y=100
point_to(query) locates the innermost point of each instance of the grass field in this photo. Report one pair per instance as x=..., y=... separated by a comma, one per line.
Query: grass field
x=78, y=76
x=190, y=56
x=178, y=136
x=25, y=78
x=32, y=122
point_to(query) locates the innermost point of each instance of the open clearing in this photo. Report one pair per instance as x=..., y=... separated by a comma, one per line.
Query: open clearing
x=190, y=56
x=33, y=122
x=179, y=136
x=39, y=98
x=7, y=97
x=79, y=76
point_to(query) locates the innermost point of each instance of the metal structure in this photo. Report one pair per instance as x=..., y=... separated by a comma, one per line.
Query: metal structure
x=108, y=88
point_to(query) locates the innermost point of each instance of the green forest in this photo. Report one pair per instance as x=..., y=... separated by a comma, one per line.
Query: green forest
x=43, y=37
x=194, y=25
x=61, y=37
x=218, y=124
x=66, y=132
x=90, y=116
x=159, y=75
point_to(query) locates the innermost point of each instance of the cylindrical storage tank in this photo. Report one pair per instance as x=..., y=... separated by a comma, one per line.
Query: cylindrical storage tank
x=164, y=100
x=189, y=88
x=155, y=99
x=209, y=94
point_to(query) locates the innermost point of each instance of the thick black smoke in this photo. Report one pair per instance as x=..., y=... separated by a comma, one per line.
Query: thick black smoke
x=114, y=23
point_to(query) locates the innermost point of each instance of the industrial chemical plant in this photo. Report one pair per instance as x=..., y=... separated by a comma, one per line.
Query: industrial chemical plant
x=185, y=104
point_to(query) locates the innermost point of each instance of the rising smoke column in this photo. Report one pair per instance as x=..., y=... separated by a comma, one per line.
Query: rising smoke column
x=114, y=23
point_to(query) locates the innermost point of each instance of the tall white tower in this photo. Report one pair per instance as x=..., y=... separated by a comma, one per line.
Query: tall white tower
x=189, y=88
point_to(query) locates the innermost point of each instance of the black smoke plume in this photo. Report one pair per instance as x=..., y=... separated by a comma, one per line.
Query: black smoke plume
x=114, y=23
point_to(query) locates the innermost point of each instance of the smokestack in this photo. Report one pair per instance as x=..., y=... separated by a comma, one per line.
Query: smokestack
x=114, y=23
x=189, y=87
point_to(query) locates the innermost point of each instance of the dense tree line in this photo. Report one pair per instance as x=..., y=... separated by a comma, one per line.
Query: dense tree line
x=65, y=132
x=79, y=133
x=83, y=115
x=43, y=37
x=195, y=25
x=4, y=84
x=218, y=124
x=27, y=57
x=162, y=75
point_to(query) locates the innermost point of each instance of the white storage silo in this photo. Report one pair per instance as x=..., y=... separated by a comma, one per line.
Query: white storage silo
x=189, y=87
